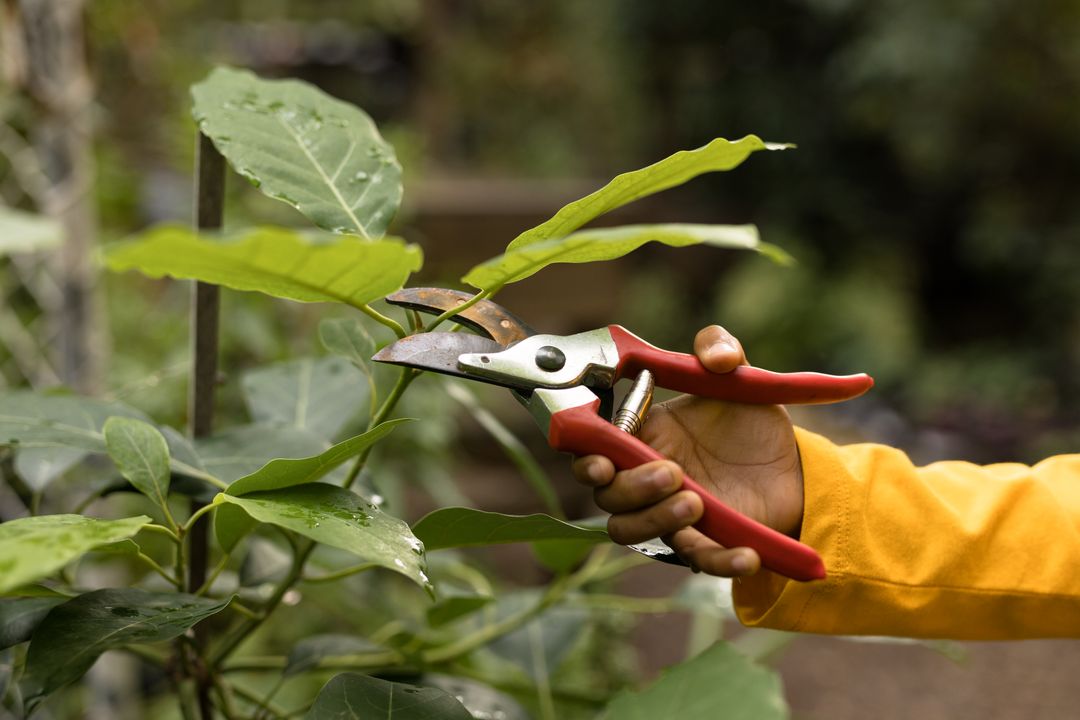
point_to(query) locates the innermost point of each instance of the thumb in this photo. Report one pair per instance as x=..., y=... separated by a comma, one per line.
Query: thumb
x=718, y=350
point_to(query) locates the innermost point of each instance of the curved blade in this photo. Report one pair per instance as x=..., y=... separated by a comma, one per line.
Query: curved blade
x=438, y=352
x=485, y=317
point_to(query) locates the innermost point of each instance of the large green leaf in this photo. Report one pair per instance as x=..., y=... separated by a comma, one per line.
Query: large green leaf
x=718, y=155
x=719, y=679
x=231, y=524
x=283, y=473
x=461, y=527
x=361, y=697
x=142, y=456
x=39, y=466
x=244, y=449
x=63, y=423
x=73, y=635
x=297, y=144
x=30, y=419
x=251, y=453
x=26, y=232
x=19, y=617
x=607, y=244
x=348, y=338
x=340, y=518
x=316, y=394
x=35, y=547
x=275, y=261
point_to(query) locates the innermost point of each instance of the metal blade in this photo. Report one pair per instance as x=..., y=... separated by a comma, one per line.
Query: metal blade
x=485, y=317
x=438, y=352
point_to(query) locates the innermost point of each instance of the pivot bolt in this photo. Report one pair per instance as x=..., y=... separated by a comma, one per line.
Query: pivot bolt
x=550, y=358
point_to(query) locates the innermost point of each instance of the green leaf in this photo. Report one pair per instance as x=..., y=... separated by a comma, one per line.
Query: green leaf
x=348, y=338
x=562, y=556
x=540, y=646
x=315, y=394
x=361, y=697
x=243, y=450
x=309, y=652
x=340, y=518
x=142, y=456
x=483, y=701
x=297, y=144
x=240, y=455
x=461, y=527
x=283, y=473
x=39, y=466
x=29, y=419
x=275, y=261
x=607, y=244
x=718, y=155
x=453, y=608
x=19, y=617
x=231, y=524
x=35, y=547
x=73, y=635
x=22, y=232
x=720, y=677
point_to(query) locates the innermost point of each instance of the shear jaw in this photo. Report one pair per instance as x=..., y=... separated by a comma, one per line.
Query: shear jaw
x=550, y=361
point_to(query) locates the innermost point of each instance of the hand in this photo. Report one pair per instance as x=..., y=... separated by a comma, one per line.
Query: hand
x=744, y=454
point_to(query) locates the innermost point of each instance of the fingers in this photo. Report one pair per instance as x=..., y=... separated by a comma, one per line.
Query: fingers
x=706, y=555
x=644, y=485
x=718, y=349
x=665, y=517
x=593, y=470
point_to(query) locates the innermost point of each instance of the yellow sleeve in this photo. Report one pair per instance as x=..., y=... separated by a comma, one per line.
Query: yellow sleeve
x=950, y=550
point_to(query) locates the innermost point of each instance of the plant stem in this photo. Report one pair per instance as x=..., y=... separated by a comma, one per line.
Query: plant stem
x=482, y=295
x=225, y=694
x=213, y=576
x=186, y=528
x=256, y=700
x=244, y=610
x=543, y=682
x=338, y=574
x=382, y=319
x=199, y=474
x=205, y=317
x=249, y=625
x=404, y=380
x=161, y=530
x=176, y=582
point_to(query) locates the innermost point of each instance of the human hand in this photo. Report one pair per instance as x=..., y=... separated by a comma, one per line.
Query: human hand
x=744, y=454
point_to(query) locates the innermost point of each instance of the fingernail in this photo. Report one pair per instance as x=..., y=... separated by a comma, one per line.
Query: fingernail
x=742, y=564
x=594, y=472
x=719, y=348
x=683, y=510
x=661, y=478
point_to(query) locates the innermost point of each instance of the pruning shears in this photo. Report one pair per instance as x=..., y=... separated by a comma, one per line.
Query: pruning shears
x=566, y=381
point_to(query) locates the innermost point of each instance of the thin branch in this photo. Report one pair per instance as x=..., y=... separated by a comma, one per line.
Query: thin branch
x=382, y=319
x=483, y=295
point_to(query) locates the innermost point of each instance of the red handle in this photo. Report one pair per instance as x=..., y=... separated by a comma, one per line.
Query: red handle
x=744, y=384
x=581, y=431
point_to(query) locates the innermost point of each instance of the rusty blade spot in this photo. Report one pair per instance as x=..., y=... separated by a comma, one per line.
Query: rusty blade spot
x=438, y=352
x=485, y=317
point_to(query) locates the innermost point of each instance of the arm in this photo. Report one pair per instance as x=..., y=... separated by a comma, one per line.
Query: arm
x=947, y=550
